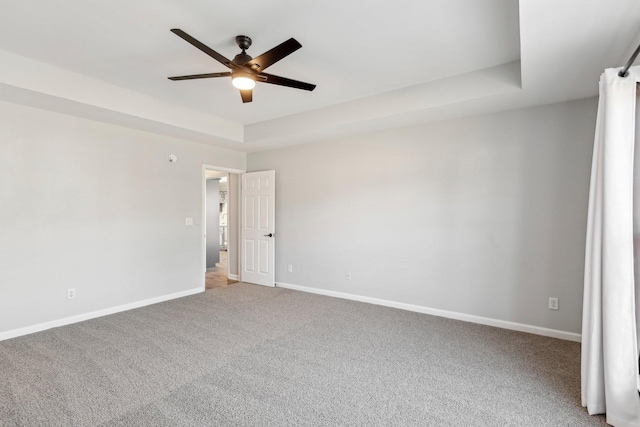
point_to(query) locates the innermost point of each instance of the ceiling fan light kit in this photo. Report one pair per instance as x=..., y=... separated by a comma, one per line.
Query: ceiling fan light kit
x=245, y=70
x=243, y=80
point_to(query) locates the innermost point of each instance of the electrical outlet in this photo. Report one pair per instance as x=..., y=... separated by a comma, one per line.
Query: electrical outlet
x=188, y=221
x=553, y=304
x=347, y=275
x=71, y=293
x=290, y=268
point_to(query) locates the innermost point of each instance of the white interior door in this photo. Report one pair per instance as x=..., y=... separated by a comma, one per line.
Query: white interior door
x=258, y=228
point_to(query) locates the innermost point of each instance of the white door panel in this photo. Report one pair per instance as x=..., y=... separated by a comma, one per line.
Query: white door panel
x=258, y=228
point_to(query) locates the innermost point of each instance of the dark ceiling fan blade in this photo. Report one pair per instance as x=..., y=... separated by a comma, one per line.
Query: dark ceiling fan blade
x=206, y=49
x=200, y=76
x=274, y=55
x=283, y=81
x=247, y=95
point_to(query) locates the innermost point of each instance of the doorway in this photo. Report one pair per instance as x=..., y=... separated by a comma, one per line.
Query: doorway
x=220, y=226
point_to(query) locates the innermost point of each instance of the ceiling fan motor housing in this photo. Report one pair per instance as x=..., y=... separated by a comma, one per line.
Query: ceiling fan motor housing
x=241, y=58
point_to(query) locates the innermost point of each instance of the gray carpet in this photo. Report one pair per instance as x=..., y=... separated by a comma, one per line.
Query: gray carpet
x=254, y=356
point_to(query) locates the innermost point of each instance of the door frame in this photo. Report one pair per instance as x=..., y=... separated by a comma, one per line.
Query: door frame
x=203, y=215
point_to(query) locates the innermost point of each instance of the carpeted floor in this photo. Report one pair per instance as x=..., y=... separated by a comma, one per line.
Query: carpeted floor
x=247, y=355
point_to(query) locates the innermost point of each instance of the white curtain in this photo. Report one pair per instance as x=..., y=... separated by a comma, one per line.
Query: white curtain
x=610, y=378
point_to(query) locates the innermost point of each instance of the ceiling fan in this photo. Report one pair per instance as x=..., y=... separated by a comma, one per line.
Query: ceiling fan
x=245, y=70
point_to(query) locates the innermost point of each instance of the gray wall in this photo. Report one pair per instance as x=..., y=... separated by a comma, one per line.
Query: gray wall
x=98, y=208
x=484, y=216
x=213, y=222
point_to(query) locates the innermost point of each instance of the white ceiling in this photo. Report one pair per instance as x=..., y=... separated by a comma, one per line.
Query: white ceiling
x=376, y=64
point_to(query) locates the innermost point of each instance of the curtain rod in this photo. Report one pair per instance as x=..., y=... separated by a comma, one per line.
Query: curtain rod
x=625, y=71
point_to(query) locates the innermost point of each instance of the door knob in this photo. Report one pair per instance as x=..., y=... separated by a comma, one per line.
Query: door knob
x=268, y=235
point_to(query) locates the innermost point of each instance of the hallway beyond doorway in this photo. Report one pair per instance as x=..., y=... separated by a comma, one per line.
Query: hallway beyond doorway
x=217, y=276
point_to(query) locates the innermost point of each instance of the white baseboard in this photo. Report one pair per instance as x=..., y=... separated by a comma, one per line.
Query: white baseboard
x=92, y=315
x=521, y=327
x=233, y=276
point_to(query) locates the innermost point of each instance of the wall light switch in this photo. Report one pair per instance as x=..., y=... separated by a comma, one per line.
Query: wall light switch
x=188, y=221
